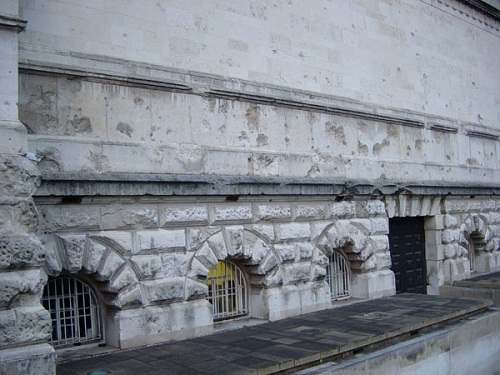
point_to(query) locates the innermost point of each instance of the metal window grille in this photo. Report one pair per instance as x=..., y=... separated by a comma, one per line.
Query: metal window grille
x=73, y=310
x=472, y=258
x=227, y=291
x=338, y=276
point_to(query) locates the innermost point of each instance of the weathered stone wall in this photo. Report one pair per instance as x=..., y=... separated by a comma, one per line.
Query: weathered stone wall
x=334, y=118
x=435, y=56
x=471, y=222
x=89, y=127
x=149, y=258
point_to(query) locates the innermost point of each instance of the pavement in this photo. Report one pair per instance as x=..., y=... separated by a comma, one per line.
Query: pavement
x=488, y=281
x=287, y=345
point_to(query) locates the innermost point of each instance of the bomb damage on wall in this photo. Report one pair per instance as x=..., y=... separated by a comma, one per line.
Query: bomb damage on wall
x=169, y=166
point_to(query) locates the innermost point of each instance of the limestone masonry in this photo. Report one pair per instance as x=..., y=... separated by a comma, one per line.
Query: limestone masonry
x=168, y=166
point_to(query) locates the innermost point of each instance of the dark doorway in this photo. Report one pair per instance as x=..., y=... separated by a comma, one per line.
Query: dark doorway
x=407, y=243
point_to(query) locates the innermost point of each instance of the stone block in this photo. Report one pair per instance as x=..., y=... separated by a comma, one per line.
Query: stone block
x=139, y=327
x=379, y=225
x=286, y=252
x=227, y=163
x=231, y=213
x=21, y=252
x=8, y=329
x=305, y=250
x=74, y=248
x=129, y=216
x=175, y=264
x=264, y=165
x=172, y=215
x=373, y=284
x=343, y=209
x=130, y=298
x=120, y=241
x=277, y=211
x=450, y=236
x=296, y=272
x=303, y=211
x=161, y=240
x=375, y=208
x=450, y=221
x=148, y=265
x=169, y=289
x=293, y=231
x=93, y=256
x=190, y=319
x=20, y=288
x=450, y=251
x=122, y=279
x=110, y=264
x=30, y=359
x=195, y=289
x=33, y=324
x=380, y=243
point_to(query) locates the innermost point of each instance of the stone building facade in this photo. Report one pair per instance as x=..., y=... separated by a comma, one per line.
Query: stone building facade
x=314, y=151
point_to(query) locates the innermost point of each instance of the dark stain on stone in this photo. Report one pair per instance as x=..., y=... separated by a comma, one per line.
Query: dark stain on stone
x=336, y=131
x=377, y=147
x=362, y=148
x=253, y=117
x=125, y=128
x=39, y=114
x=79, y=125
x=393, y=131
x=262, y=140
x=138, y=100
x=418, y=144
x=211, y=104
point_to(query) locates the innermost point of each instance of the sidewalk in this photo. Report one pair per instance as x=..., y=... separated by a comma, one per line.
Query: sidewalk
x=292, y=343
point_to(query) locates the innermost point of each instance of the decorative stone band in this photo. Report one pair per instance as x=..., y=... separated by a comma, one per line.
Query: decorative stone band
x=118, y=71
x=12, y=23
x=88, y=184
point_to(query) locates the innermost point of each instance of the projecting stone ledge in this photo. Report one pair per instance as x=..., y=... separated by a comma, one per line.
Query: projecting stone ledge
x=90, y=184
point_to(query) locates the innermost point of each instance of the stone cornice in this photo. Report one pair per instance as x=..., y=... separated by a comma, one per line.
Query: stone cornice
x=78, y=184
x=484, y=7
x=12, y=23
x=476, y=12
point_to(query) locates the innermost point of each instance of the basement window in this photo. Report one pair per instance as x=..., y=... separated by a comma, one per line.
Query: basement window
x=227, y=291
x=338, y=276
x=74, y=311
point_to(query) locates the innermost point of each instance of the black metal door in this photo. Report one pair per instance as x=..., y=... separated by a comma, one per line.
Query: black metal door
x=407, y=243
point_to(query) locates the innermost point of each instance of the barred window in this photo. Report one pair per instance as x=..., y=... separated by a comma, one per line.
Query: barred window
x=338, y=276
x=227, y=291
x=73, y=310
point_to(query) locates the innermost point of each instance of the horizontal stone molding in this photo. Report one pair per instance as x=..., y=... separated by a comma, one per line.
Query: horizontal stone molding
x=118, y=72
x=12, y=23
x=87, y=184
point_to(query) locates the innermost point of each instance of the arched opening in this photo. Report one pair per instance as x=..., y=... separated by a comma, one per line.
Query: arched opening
x=338, y=276
x=74, y=311
x=227, y=291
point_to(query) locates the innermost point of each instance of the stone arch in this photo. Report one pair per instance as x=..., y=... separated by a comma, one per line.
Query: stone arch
x=368, y=257
x=353, y=241
x=101, y=260
x=477, y=241
x=238, y=244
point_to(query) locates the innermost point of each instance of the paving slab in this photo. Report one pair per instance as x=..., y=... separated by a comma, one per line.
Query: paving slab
x=287, y=344
x=488, y=281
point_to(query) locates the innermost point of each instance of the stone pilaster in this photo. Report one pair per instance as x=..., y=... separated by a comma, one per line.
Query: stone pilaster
x=24, y=323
